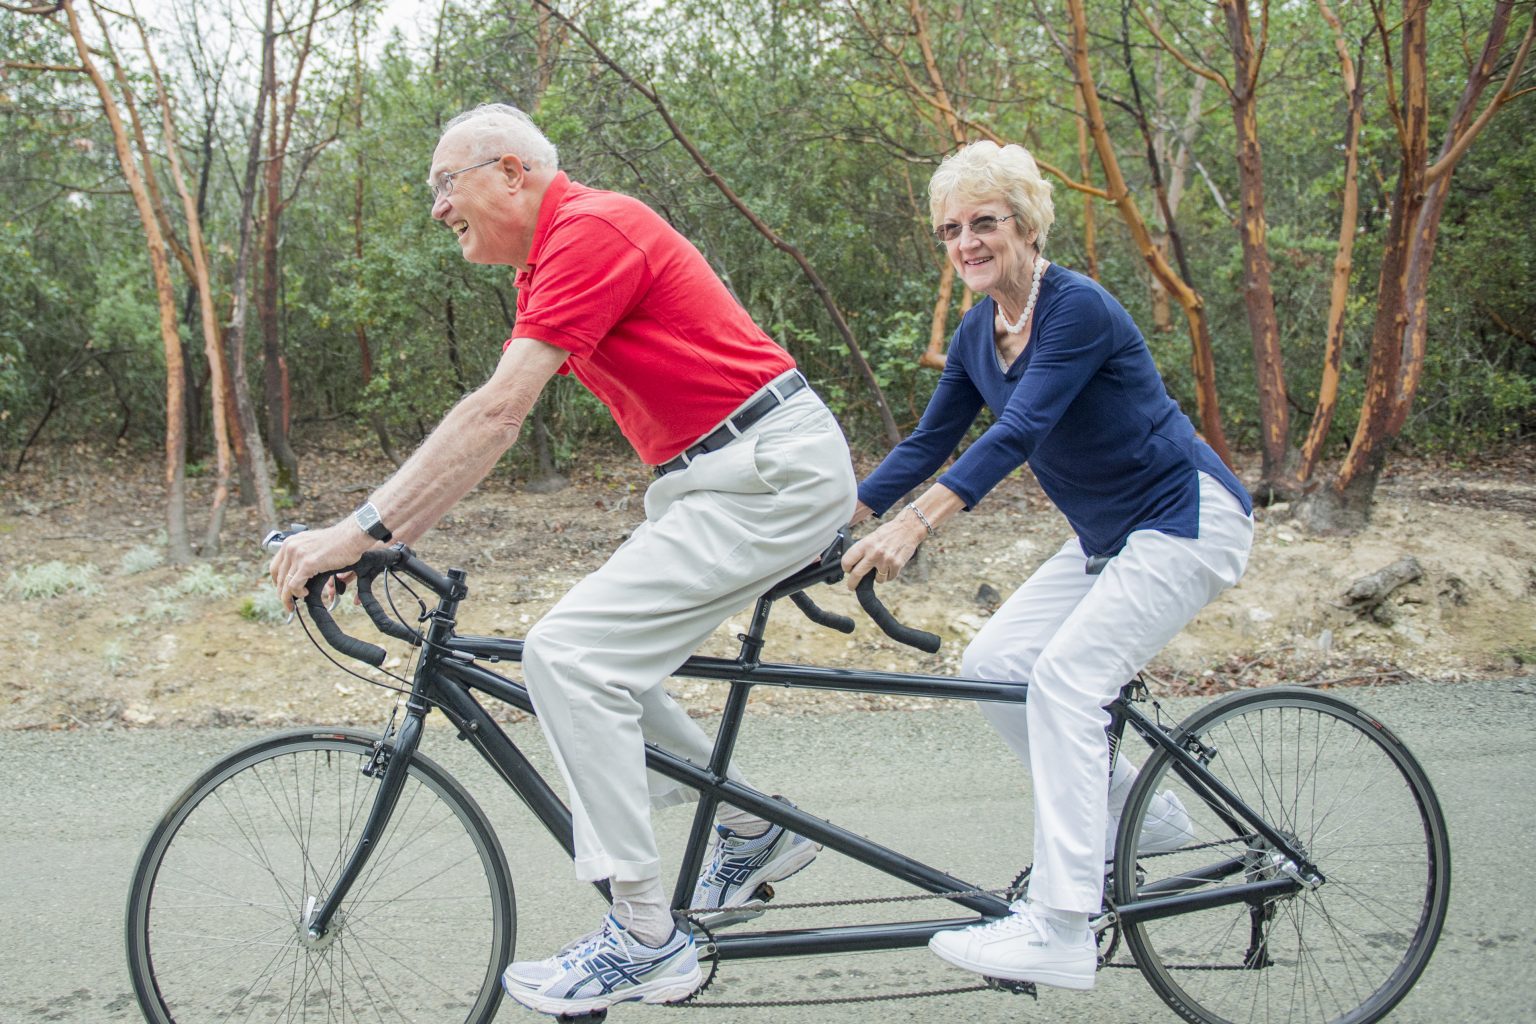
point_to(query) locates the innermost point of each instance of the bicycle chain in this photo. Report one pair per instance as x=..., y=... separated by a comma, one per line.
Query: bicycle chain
x=692, y=1003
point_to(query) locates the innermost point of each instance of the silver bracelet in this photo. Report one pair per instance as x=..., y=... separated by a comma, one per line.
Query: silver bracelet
x=921, y=518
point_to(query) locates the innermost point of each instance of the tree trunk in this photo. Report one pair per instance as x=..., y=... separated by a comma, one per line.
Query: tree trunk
x=359, y=193
x=1399, y=337
x=938, y=330
x=1208, y=406
x=1338, y=297
x=1258, y=286
x=275, y=367
x=179, y=548
x=1085, y=168
x=203, y=286
x=234, y=338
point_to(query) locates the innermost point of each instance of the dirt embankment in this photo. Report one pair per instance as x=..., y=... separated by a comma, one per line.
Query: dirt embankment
x=122, y=644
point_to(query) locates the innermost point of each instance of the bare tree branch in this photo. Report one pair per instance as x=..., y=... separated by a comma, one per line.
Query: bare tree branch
x=27, y=65
x=1178, y=55
x=1506, y=93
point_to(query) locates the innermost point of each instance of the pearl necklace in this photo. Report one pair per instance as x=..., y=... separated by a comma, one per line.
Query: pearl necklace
x=1029, y=307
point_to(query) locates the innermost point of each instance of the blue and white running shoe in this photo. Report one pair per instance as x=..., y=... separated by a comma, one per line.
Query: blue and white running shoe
x=608, y=966
x=740, y=864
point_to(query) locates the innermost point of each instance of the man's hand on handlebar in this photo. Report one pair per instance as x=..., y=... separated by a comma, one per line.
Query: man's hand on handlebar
x=305, y=555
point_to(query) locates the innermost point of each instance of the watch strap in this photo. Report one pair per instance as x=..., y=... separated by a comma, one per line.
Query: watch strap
x=367, y=519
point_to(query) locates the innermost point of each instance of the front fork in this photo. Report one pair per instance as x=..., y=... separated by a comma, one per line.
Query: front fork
x=395, y=759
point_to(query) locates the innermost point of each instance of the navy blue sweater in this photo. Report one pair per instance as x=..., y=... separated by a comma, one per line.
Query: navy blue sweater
x=1083, y=405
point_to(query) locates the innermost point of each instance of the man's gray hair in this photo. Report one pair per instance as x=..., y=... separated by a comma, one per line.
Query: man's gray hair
x=497, y=128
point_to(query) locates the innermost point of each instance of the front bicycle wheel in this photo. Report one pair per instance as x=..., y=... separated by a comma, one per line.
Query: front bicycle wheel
x=217, y=916
x=1337, y=783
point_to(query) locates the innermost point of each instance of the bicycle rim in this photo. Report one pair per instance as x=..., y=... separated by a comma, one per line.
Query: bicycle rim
x=1338, y=783
x=217, y=916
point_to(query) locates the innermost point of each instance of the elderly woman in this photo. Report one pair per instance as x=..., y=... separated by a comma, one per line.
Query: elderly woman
x=1160, y=528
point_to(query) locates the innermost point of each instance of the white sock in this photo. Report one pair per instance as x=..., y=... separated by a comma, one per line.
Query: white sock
x=641, y=907
x=1068, y=925
x=748, y=826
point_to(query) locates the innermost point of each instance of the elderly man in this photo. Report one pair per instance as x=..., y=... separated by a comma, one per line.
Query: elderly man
x=753, y=478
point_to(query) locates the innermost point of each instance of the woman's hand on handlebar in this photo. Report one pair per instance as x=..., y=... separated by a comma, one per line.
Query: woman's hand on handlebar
x=887, y=551
x=884, y=552
x=304, y=556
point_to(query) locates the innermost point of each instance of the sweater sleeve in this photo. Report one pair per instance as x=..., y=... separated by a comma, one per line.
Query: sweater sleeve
x=950, y=412
x=1073, y=340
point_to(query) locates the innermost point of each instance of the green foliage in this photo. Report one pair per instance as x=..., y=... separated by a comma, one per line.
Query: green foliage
x=263, y=606
x=802, y=109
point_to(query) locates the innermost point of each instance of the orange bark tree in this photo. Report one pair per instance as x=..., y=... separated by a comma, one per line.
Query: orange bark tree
x=179, y=548
x=1400, y=332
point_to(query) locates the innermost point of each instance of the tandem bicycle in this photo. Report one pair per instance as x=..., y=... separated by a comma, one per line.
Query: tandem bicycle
x=332, y=874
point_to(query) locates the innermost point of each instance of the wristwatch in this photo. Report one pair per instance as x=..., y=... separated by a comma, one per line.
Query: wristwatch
x=367, y=519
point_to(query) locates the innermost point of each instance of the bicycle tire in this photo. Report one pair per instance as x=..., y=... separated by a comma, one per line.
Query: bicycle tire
x=217, y=910
x=1362, y=809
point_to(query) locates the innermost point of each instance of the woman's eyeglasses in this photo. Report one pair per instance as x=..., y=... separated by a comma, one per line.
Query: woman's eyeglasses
x=980, y=226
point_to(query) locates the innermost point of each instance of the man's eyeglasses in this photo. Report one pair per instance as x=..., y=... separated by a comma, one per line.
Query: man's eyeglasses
x=980, y=226
x=444, y=184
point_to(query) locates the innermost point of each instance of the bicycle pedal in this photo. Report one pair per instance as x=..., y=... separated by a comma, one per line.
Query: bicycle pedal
x=748, y=911
x=590, y=1017
x=1017, y=988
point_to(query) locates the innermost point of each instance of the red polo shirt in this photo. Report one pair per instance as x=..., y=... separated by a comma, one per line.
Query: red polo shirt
x=651, y=330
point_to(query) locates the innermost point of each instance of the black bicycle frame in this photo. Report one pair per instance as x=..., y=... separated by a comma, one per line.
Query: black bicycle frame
x=448, y=674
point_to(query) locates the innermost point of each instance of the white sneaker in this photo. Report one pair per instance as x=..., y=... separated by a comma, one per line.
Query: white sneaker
x=1021, y=947
x=1166, y=827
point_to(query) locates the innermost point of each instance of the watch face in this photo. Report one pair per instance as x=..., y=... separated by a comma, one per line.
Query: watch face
x=367, y=519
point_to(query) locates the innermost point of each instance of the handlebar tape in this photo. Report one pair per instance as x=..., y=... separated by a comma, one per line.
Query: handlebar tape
x=352, y=647
x=382, y=620
x=819, y=615
x=921, y=639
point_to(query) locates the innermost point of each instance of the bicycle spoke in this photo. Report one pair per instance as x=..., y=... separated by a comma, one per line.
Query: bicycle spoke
x=1346, y=798
x=221, y=934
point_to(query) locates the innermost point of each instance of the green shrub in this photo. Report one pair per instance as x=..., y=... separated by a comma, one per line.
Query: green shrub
x=50, y=579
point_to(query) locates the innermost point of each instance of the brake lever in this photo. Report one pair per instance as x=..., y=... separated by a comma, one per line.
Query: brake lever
x=274, y=540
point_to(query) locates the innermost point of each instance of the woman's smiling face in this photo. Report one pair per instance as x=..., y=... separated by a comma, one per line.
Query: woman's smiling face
x=1002, y=259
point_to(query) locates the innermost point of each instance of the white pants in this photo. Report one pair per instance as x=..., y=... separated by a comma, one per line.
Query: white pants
x=717, y=535
x=1077, y=639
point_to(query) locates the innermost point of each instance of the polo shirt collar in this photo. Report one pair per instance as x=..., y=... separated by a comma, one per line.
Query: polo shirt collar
x=553, y=197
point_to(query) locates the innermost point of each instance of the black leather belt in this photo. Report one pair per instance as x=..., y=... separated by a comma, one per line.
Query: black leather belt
x=772, y=397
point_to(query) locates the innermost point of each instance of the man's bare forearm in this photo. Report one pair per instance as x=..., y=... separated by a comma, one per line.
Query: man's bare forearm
x=467, y=444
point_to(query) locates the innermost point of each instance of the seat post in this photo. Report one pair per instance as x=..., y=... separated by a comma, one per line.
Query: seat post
x=720, y=757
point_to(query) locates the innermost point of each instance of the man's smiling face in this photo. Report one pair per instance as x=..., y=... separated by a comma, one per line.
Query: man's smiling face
x=482, y=206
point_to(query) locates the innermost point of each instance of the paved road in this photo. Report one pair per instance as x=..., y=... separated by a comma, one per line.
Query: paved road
x=79, y=805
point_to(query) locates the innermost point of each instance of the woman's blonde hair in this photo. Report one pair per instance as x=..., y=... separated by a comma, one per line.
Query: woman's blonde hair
x=984, y=170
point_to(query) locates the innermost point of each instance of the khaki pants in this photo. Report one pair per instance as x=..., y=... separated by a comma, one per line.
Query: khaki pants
x=716, y=535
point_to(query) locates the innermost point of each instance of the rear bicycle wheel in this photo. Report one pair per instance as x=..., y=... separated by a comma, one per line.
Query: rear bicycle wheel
x=218, y=911
x=1340, y=785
